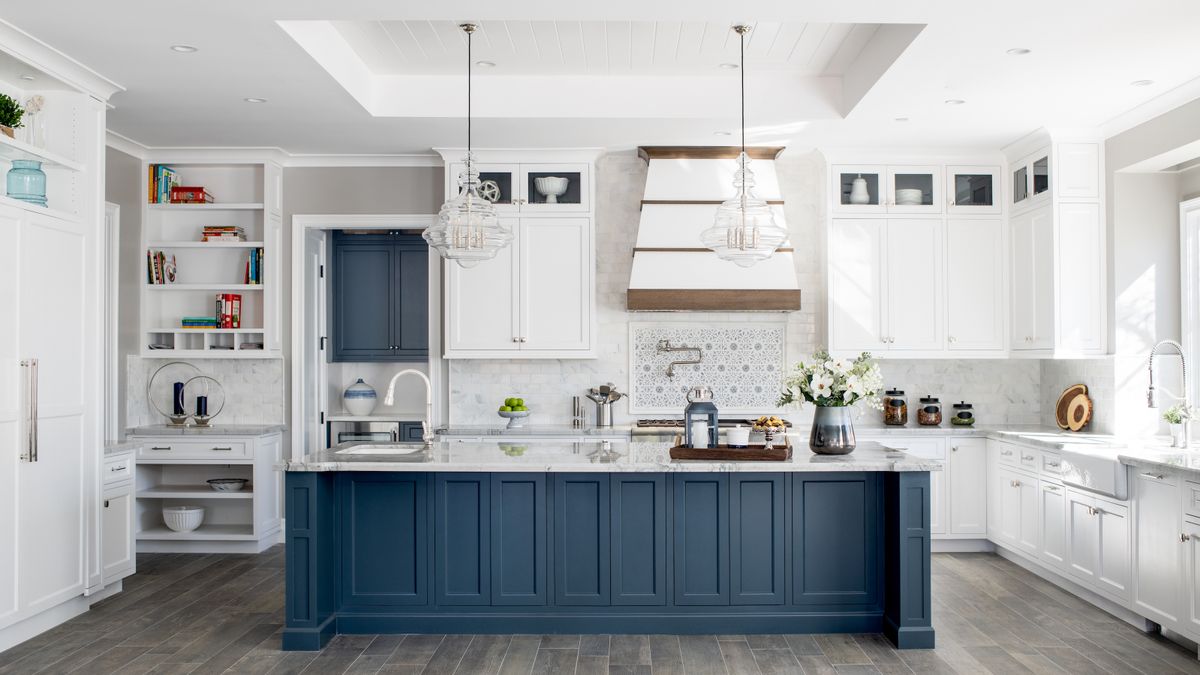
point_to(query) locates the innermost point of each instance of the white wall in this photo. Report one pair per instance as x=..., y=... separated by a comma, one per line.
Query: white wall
x=122, y=186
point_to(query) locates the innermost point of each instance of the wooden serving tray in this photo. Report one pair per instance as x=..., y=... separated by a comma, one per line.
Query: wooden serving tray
x=755, y=452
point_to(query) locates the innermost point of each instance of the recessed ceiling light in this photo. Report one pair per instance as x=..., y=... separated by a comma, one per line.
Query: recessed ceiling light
x=1141, y=83
x=721, y=133
x=253, y=99
x=955, y=101
x=900, y=119
x=28, y=78
x=485, y=64
x=1018, y=51
x=184, y=49
x=728, y=66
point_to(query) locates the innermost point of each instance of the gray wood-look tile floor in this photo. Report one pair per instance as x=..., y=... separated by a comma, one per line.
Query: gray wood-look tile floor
x=223, y=613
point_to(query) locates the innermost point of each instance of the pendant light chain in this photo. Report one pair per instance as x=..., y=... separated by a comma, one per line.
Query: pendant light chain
x=742, y=72
x=470, y=31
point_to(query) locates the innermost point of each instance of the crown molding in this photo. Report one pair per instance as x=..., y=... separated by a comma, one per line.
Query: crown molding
x=1159, y=105
x=23, y=46
x=265, y=154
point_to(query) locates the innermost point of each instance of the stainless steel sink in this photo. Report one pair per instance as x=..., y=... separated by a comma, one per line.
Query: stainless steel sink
x=1096, y=469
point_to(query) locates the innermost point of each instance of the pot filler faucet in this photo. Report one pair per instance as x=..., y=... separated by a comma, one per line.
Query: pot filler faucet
x=1152, y=395
x=426, y=424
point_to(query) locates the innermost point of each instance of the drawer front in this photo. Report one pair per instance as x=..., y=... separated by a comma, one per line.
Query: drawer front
x=1029, y=458
x=213, y=448
x=923, y=447
x=1009, y=454
x=118, y=470
x=1051, y=464
x=1191, y=498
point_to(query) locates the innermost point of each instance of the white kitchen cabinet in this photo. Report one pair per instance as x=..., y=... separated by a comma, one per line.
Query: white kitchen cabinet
x=1079, y=265
x=1053, y=509
x=967, y=502
x=1017, y=500
x=1099, y=539
x=926, y=447
x=885, y=285
x=1157, y=553
x=858, y=284
x=537, y=298
x=974, y=190
x=116, y=534
x=1190, y=623
x=885, y=186
x=1031, y=180
x=975, y=274
x=875, y=178
x=1078, y=170
x=1033, y=281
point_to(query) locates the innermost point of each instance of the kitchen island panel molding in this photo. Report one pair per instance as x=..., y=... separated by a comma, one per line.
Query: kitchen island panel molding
x=701, y=553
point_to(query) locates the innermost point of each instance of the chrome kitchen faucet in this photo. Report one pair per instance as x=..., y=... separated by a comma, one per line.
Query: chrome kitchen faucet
x=1152, y=395
x=427, y=434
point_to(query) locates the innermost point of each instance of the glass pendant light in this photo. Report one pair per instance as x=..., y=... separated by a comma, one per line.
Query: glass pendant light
x=744, y=231
x=468, y=229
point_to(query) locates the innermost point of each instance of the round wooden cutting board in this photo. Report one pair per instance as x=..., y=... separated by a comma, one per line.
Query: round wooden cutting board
x=1064, y=401
x=1079, y=412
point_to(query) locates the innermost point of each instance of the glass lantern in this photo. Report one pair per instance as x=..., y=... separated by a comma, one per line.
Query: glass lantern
x=744, y=231
x=468, y=230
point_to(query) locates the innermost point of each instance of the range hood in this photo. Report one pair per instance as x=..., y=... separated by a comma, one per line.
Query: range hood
x=672, y=271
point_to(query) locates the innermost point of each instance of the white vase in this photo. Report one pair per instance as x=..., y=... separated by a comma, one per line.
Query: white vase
x=858, y=191
x=359, y=398
x=1178, y=437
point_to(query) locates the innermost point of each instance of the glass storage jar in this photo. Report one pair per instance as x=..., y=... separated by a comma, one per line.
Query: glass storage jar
x=964, y=414
x=930, y=412
x=895, y=408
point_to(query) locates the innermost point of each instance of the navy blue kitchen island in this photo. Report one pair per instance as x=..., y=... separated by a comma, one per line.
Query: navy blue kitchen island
x=605, y=538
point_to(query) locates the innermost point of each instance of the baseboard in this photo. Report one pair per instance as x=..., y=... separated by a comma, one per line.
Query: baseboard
x=41, y=622
x=961, y=546
x=207, y=546
x=1078, y=590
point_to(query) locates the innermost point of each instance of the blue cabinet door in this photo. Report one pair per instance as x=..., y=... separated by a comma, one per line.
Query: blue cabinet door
x=581, y=539
x=639, y=539
x=518, y=539
x=379, y=292
x=362, y=294
x=836, y=557
x=462, y=538
x=701, y=547
x=757, y=538
x=384, y=538
x=411, y=313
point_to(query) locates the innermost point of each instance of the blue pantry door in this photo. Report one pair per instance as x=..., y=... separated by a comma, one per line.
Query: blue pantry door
x=581, y=539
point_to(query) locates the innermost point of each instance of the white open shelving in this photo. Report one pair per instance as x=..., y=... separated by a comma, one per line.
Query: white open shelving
x=249, y=194
x=11, y=149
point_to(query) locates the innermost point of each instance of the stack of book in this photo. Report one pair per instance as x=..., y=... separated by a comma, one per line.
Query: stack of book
x=222, y=233
x=160, y=268
x=254, y=267
x=199, y=322
x=229, y=310
x=162, y=179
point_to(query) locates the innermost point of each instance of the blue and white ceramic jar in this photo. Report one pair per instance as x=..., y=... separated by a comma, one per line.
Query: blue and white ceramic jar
x=359, y=398
x=27, y=181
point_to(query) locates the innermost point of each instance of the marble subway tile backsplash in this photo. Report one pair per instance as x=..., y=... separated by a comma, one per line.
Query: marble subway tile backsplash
x=1002, y=391
x=253, y=387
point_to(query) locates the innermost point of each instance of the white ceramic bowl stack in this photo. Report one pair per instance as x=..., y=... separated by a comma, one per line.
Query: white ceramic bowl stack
x=909, y=196
x=183, y=518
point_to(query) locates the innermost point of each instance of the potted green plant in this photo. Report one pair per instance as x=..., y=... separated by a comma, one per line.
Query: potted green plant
x=1177, y=417
x=833, y=385
x=10, y=115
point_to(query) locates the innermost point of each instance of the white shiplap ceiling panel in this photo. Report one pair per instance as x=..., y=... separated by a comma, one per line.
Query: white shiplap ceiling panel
x=521, y=47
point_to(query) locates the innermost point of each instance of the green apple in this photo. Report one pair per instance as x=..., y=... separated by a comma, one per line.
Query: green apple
x=520, y=408
x=510, y=402
x=505, y=408
x=519, y=402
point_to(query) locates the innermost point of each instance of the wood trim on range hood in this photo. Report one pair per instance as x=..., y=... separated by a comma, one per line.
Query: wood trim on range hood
x=711, y=300
x=649, y=152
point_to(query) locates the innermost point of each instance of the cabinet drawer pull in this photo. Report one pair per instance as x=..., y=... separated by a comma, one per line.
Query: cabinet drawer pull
x=1027, y=458
x=117, y=468
x=1007, y=453
x=1155, y=476
x=1053, y=465
x=223, y=449
x=161, y=448
x=1185, y=537
x=1052, y=488
x=1015, y=483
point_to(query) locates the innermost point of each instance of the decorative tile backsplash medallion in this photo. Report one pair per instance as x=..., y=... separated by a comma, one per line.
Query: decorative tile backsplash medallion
x=741, y=362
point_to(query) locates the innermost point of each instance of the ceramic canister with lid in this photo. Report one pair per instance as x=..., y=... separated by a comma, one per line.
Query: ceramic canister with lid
x=964, y=414
x=895, y=408
x=359, y=398
x=930, y=412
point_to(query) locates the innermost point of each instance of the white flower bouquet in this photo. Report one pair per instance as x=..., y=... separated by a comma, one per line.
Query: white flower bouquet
x=830, y=382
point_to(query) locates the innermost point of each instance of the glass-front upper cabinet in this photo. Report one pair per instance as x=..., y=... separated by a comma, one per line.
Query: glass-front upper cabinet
x=914, y=189
x=860, y=188
x=558, y=188
x=498, y=183
x=973, y=189
x=1031, y=180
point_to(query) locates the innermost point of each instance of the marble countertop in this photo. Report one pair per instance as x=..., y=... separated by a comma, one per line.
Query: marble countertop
x=119, y=447
x=534, y=430
x=584, y=456
x=400, y=416
x=215, y=430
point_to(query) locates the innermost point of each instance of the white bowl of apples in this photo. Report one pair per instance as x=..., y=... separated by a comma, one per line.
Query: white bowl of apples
x=514, y=411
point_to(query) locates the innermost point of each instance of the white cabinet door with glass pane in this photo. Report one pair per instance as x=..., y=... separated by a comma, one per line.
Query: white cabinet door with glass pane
x=498, y=183
x=914, y=189
x=860, y=188
x=1031, y=180
x=973, y=190
x=857, y=290
x=555, y=188
x=975, y=274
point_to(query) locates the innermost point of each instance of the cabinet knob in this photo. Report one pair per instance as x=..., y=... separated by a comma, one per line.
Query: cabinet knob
x=1182, y=537
x=516, y=339
x=951, y=338
x=1015, y=483
x=954, y=449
